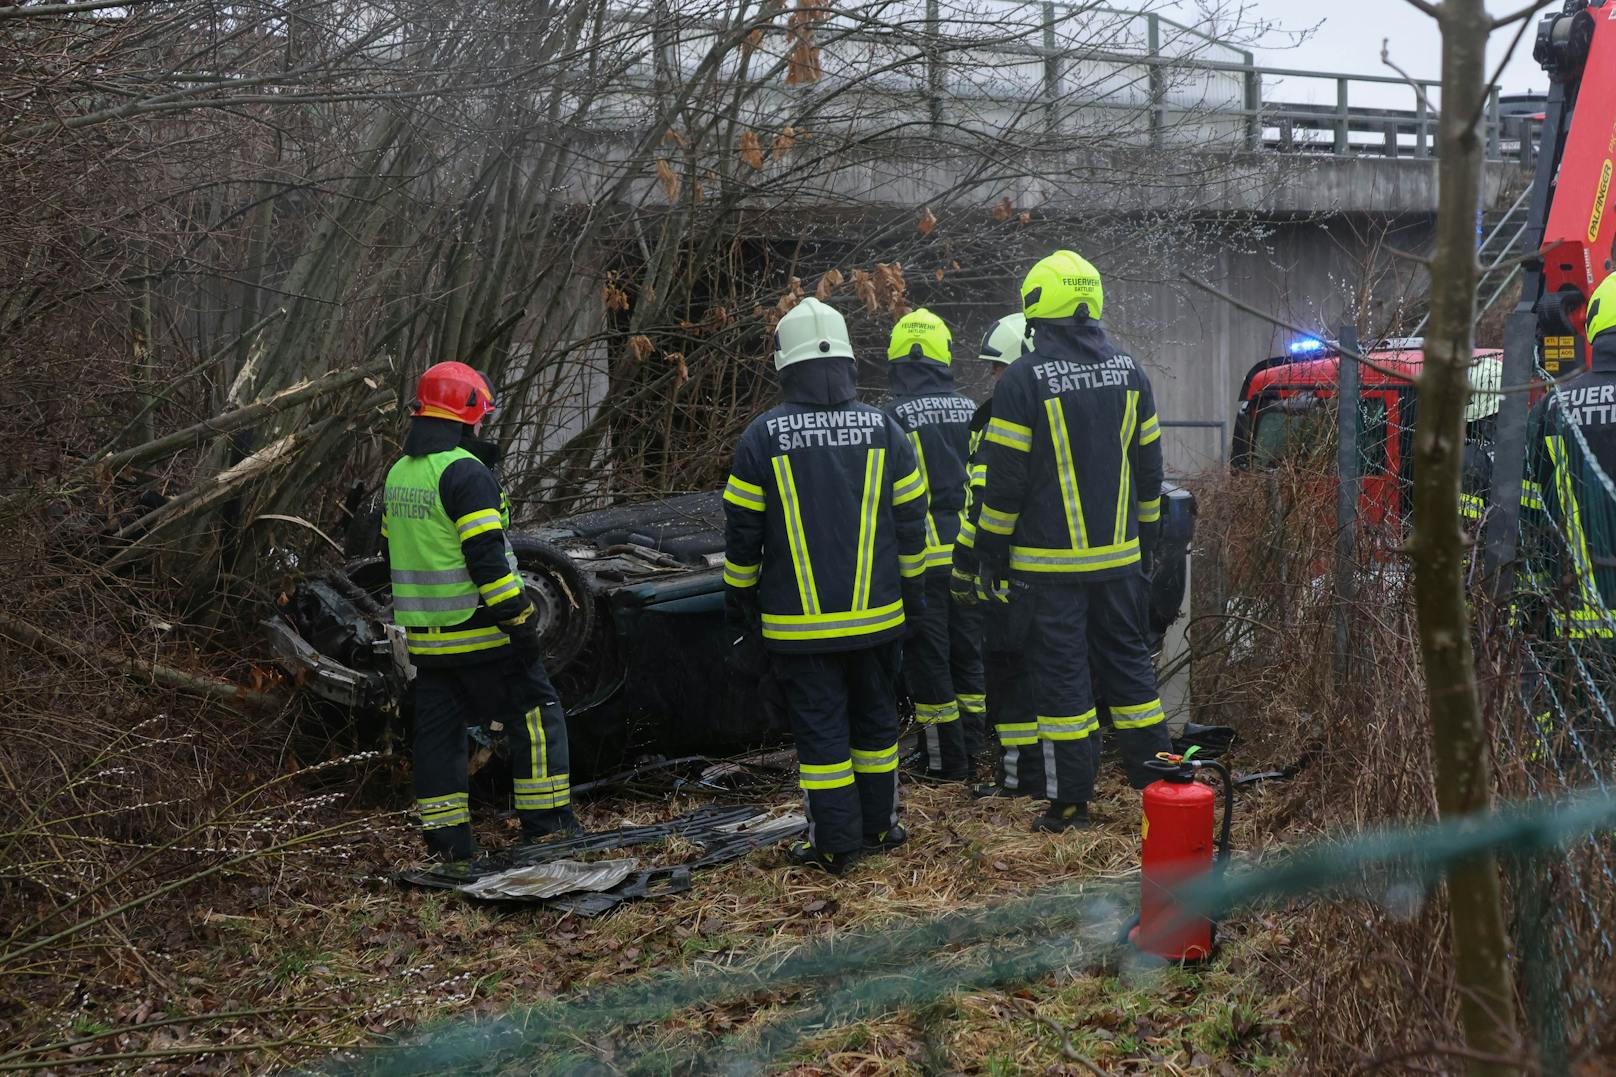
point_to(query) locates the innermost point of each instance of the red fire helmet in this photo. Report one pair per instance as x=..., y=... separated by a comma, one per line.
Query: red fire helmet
x=452, y=391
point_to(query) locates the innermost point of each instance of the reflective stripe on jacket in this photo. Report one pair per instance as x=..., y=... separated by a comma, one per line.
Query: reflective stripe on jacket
x=454, y=574
x=976, y=480
x=936, y=420
x=1570, y=544
x=825, y=513
x=1073, y=458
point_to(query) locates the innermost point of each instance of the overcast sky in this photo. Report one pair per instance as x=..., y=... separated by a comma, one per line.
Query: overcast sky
x=1348, y=39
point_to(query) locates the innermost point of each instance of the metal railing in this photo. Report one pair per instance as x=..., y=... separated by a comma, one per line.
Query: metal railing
x=987, y=65
x=1499, y=253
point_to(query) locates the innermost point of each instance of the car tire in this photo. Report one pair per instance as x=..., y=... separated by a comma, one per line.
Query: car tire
x=562, y=600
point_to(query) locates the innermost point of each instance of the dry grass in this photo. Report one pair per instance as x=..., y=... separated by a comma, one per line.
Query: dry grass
x=336, y=959
x=1371, y=979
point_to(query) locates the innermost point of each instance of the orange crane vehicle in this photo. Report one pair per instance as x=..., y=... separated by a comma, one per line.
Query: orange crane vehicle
x=1572, y=232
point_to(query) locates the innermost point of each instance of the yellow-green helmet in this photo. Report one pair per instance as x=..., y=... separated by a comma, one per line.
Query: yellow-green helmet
x=1006, y=340
x=920, y=333
x=1602, y=307
x=1064, y=285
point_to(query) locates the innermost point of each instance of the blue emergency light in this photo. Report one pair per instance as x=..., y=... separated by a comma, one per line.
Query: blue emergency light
x=1305, y=345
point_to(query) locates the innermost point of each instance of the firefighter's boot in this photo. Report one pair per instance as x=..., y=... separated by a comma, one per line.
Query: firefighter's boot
x=886, y=840
x=804, y=855
x=448, y=844
x=1061, y=817
x=555, y=823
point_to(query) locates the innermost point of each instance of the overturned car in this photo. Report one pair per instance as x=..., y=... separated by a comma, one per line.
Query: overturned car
x=630, y=607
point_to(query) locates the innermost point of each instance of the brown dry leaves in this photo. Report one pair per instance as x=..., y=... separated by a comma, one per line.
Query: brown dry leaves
x=864, y=289
x=750, y=147
x=792, y=297
x=884, y=288
x=892, y=288
x=750, y=150
x=613, y=298
x=770, y=316
x=640, y=347
x=668, y=178
x=1004, y=209
x=927, y=222
x=828, y=283
x=802, y=62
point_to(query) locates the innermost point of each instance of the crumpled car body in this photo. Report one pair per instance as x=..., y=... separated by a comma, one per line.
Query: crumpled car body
x=630, y=609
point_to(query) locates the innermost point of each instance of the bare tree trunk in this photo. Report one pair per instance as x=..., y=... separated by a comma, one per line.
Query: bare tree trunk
x=1463, y=771
x=142, y=361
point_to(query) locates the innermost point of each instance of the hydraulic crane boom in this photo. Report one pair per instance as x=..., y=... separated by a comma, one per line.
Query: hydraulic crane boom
x=1572, y=228
x=1577, y=247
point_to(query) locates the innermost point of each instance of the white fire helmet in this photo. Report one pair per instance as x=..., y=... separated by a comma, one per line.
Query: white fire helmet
x=1006, y=340
x=810, y=330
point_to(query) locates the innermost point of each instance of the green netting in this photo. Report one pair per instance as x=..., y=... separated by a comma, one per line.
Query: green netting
x=845, y=978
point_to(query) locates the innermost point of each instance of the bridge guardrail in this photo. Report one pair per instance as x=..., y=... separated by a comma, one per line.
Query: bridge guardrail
x=989, y=63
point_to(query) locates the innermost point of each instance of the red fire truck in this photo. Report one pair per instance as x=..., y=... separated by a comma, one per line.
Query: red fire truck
x=1287, y=413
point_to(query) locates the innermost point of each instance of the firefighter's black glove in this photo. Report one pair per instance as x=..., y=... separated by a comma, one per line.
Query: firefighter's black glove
x=525, y=641
x=962, y=586
x=741, y=608
x=1017, y=613
x=993, y=577
x=743, y=623
x=962, y=577
x=1149, y=534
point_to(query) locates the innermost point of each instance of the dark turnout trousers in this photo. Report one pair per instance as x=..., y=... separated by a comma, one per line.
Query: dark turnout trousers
x=1010, y=696
x=511, y=692
x=1124, y=675
x=966, y=672
x=929, y=681
x=1083, y=636
x=844, y=718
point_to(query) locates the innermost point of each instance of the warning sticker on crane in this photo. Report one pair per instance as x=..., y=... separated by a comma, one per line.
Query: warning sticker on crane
x=1601, y=192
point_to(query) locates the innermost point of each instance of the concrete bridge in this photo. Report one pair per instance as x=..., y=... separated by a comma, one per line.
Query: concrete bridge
x=1334, y=169
x=1084, y=78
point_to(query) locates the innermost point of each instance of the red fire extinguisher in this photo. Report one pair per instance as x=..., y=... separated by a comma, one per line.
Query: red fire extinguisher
x=1177, y=847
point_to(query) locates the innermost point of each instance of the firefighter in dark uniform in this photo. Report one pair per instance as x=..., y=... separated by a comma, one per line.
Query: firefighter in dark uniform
x=467, y=620
x=824, y=550
x=942, y=667
x=1070, y=510
x=1570, y=465
x=1020, y=769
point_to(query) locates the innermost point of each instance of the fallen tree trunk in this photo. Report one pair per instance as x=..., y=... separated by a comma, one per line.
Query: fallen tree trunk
x=238, y=418
x=197, y=684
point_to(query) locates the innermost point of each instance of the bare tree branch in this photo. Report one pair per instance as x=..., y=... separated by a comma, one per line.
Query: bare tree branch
x=1419, y=90
x=31, y=11
x=1519, y=16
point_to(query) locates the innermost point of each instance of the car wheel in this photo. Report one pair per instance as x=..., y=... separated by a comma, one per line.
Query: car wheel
x=563, y=605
